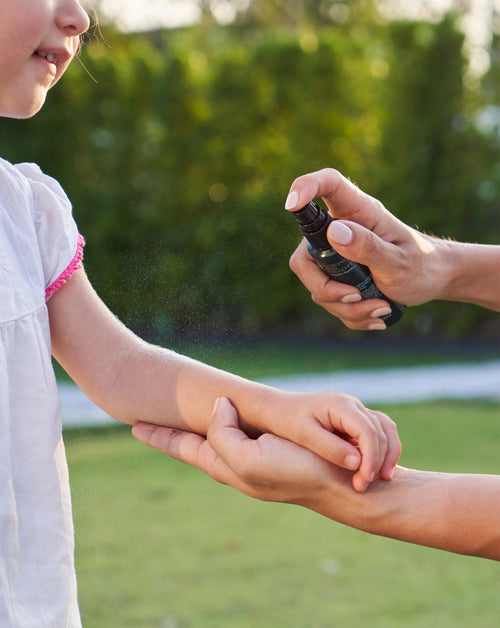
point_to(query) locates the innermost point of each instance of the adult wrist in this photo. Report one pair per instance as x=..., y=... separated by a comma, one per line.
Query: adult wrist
x=472, y=273
x=448, y=269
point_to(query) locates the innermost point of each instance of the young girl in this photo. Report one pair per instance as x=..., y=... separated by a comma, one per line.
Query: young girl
x=48, y=306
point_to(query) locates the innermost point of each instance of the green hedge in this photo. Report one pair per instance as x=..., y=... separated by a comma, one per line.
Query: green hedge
x=178, y=150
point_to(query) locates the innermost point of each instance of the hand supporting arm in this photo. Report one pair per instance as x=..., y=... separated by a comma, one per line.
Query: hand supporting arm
x=455, y=512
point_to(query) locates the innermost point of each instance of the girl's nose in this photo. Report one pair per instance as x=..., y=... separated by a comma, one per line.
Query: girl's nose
x=71, y=17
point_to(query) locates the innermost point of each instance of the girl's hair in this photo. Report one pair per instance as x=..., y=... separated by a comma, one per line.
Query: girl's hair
x=93, y=30
x=91, y=34
x=89, y=7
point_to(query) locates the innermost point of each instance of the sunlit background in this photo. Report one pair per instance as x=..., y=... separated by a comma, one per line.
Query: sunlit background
x=187, y=120
x=131, y=15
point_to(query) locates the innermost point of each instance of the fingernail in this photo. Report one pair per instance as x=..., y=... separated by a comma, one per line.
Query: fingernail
x=339, y=233
x=351, y=298
x=352, y=462
x=143, y=431
x=377, y=326
x=292, y=200
x=216, y=406
x=382, y=311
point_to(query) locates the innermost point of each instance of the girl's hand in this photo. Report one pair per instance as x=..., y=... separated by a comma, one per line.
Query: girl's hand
x=340, y=429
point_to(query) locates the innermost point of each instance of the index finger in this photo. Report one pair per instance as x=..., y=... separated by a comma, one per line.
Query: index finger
x=322, y=288
x=186, y=447
x=342, y=197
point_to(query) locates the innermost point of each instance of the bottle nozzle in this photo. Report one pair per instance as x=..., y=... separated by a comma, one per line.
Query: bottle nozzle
x=313, y=222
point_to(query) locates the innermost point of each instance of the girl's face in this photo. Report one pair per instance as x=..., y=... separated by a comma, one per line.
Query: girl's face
x=38, y=40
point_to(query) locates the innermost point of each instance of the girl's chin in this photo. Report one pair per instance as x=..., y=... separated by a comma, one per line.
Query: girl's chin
x=22, y=112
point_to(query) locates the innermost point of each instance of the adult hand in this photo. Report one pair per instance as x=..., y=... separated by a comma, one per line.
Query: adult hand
x=453, y=512
x=269, y=468
x=405, y=264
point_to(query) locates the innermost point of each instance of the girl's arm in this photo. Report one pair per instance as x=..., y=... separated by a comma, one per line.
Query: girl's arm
x=454, y=512
x=133, y=380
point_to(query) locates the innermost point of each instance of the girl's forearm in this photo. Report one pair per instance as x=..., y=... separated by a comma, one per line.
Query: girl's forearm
x=176, y=391
x=133, y=380
x=453, y=512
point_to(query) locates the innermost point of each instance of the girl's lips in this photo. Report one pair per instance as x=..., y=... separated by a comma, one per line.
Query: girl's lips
x=53, y=60
x=51, y=57
x=55, y=56
x=47, y=68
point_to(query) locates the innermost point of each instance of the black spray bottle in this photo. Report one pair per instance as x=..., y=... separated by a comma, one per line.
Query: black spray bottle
x=313, y=222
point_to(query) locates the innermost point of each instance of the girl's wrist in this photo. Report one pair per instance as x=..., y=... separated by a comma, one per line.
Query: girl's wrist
x=265, y=410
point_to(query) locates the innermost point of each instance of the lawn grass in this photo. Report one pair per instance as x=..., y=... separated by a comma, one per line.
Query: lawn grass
x=158, y=544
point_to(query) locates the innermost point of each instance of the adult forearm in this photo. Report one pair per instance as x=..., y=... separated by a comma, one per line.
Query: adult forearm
x=472, y=273
x=453, y=512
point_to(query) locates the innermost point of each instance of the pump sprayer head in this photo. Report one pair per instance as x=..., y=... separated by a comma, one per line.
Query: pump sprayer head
x=313, y=222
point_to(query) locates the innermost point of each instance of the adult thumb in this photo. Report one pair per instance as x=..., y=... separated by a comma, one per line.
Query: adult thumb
x=360, y=245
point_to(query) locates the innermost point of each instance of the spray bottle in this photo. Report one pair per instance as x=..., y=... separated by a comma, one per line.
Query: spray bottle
x=313, y=222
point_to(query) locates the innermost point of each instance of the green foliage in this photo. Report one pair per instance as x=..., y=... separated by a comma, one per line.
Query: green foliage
x=292, y=14
x=178, y=149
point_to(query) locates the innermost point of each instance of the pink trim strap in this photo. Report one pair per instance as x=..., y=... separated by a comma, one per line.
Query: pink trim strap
x=75, y=264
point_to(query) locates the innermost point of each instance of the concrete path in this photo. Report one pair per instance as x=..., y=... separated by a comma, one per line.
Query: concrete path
x=394, y=385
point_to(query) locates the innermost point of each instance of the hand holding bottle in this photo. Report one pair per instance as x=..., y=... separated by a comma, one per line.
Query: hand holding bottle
x=407, y=266
x=314, y=222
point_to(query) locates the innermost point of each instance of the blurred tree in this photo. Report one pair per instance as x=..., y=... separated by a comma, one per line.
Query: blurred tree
x=429, y=119
x=292, y=13
x=289, y=13
x=179, y=153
